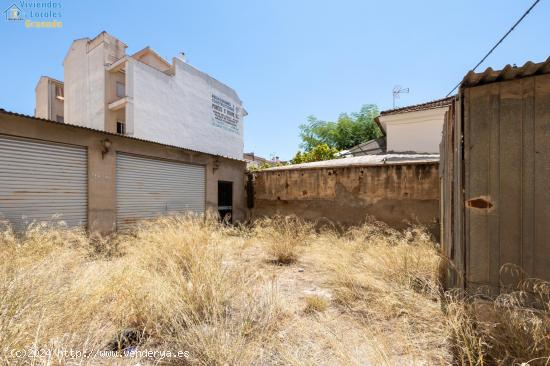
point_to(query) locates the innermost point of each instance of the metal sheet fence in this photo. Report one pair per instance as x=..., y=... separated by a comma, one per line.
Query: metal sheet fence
x=495, y=184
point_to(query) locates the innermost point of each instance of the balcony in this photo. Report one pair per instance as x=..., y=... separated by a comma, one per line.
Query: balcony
x=118, y=104
x=118, y=66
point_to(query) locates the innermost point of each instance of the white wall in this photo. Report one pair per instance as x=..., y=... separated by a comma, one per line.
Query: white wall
x=174, y=109
x=84, y=76
x=85, y=79
x=76, y=83
x=419, y=131
x=42, y=97
x=177, y=109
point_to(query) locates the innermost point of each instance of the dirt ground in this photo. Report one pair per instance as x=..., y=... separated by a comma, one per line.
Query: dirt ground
x=278, y=293
x=335, y=335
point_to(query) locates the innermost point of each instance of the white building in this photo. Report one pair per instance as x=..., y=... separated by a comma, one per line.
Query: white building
x=49, y=99
x=144, y=96
x=417, y=128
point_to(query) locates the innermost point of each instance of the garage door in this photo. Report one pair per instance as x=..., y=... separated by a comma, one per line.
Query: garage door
x=39, y=180
x=150, y=187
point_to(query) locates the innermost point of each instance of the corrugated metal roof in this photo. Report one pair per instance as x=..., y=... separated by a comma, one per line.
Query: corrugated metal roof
x=3, y=111
x=365, y=160
x=438, y=103
x=374, y=146
x=509, y=72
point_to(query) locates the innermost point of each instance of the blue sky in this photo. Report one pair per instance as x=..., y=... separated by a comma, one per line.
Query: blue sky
x=289, y=59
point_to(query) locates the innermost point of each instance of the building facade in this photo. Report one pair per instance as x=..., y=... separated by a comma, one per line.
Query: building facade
x=414, y=129
x=144, y=96
x=103, y=181
x=49, y=95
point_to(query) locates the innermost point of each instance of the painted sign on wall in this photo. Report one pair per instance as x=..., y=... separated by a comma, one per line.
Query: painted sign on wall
x=225, y=114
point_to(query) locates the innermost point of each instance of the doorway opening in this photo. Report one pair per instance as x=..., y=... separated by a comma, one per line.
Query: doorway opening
x=225, y=201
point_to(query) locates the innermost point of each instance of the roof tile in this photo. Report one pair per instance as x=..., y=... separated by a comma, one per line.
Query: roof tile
x=420, y=107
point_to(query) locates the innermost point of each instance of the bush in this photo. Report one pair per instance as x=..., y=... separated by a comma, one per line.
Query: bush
x=284, y=237
x=315, y=304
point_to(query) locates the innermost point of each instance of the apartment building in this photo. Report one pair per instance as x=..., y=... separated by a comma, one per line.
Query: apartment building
x=144, y=96
x=49, y=99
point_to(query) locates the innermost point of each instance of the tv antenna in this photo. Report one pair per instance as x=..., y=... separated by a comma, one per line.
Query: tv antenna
x=397, y=91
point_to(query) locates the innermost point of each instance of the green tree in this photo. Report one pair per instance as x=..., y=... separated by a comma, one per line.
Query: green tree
x=348, y=131
x=318, y=153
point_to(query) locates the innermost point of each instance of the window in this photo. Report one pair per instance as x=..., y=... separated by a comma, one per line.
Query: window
x=59, y=118
x=120, y=127
x=120, y=90
x=59, y=91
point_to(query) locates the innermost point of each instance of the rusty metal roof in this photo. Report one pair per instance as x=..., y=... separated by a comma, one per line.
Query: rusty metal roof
x=509, y=72
x=10, y=113
x=438, y=103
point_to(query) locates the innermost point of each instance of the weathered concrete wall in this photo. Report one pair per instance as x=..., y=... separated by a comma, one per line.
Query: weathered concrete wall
x=102, y=169
x=395, y=194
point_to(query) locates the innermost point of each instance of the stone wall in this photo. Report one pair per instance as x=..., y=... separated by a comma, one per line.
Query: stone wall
x=397, y=194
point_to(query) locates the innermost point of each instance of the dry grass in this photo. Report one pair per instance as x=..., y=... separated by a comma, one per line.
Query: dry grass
x=167, y=282
x=191, y=284
x=386, y=280
x=512, y=329
x=285, y=237
x=315, y=304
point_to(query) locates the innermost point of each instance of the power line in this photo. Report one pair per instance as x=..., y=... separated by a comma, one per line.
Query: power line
x=499, y=42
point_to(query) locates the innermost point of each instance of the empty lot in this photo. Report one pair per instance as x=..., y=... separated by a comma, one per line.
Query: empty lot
x=187, y=290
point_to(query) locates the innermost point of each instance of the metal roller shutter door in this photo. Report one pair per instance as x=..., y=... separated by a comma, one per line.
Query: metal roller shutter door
x=40, y=179
x=147, y=188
